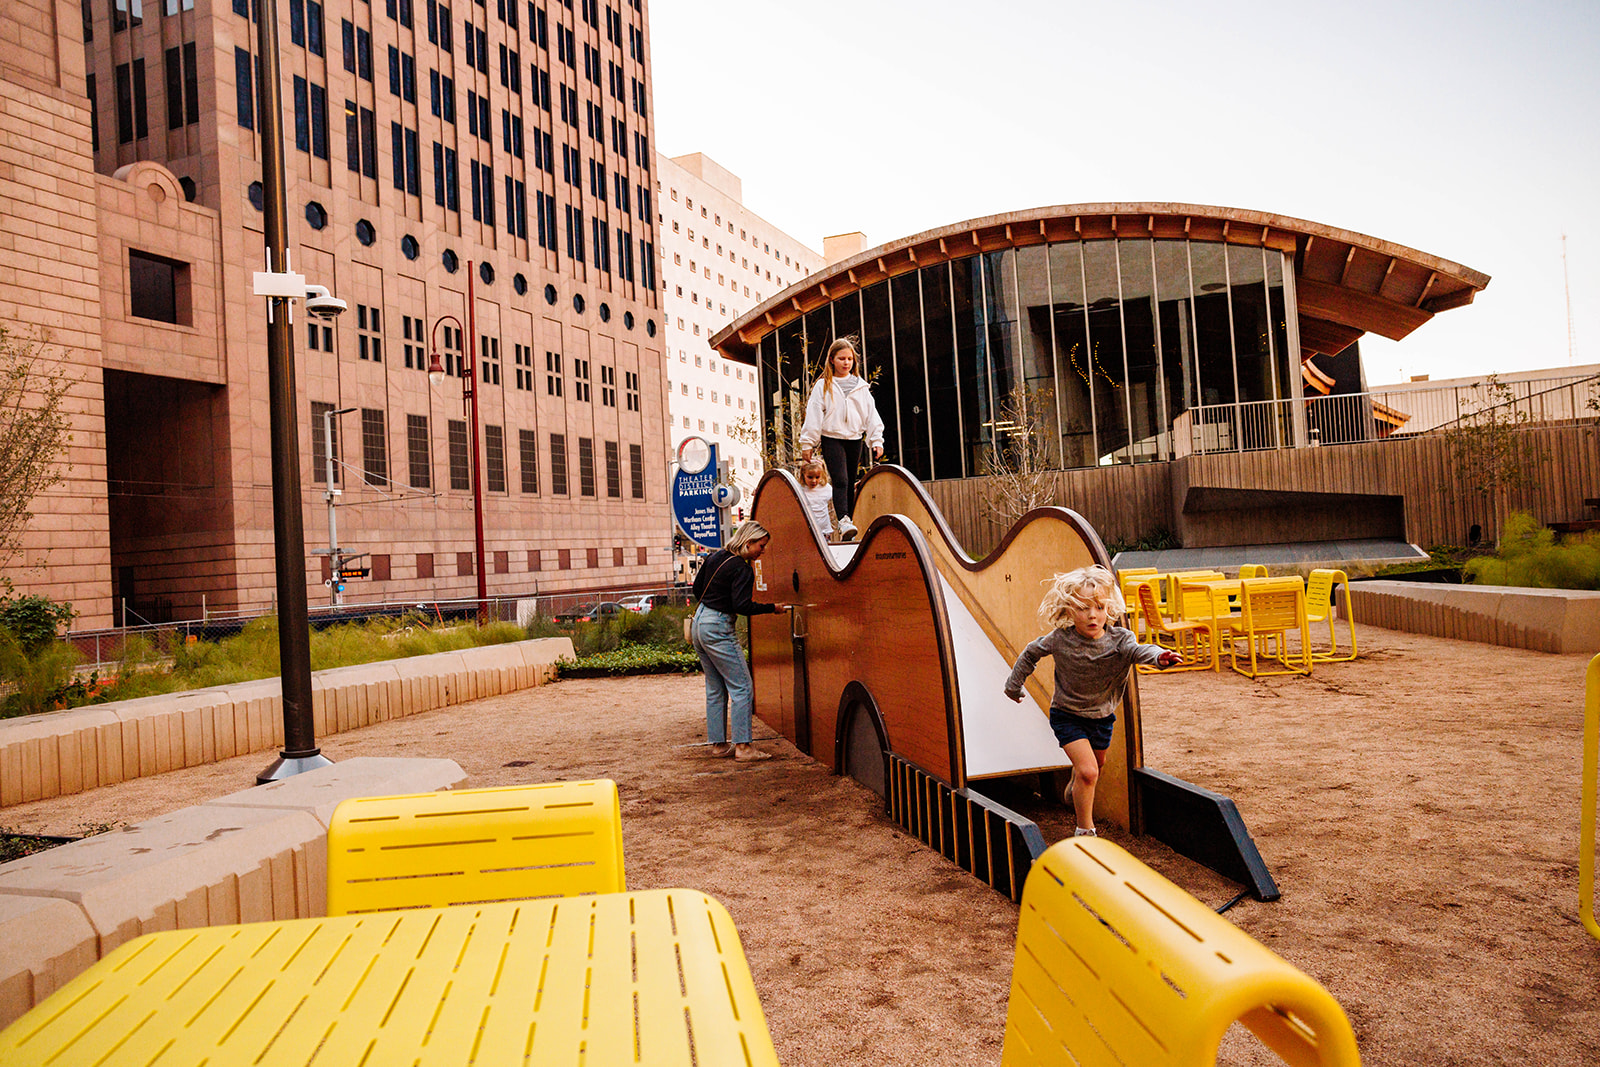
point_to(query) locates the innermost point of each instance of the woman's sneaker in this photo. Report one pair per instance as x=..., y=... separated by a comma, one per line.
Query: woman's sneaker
x=1079, y=831
x=847, y=530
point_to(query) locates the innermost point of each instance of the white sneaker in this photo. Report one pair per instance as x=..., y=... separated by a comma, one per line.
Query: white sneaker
x=847, y=529
x=1079, y=831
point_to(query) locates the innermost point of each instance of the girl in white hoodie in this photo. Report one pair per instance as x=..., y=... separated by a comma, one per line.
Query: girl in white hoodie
x=840, y=416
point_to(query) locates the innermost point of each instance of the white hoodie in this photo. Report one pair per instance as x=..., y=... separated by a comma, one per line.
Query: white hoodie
x=831, y=413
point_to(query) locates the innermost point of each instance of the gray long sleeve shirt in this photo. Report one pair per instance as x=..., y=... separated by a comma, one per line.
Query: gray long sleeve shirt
x=1090, y=675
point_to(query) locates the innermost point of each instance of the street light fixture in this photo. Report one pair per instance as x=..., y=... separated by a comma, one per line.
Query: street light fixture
x=436, y=375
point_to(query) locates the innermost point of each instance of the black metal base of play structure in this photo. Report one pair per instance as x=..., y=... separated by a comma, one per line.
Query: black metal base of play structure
x=991, y=841
x=1204, y=826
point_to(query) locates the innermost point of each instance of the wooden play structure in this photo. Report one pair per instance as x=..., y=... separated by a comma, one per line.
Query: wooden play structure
x=1586, y=814
x=891, y=669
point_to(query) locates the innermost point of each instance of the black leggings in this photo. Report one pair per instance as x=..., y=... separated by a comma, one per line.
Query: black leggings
x=842, y=459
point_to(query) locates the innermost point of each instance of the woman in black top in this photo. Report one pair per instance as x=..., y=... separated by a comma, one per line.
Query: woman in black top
x=722, y=590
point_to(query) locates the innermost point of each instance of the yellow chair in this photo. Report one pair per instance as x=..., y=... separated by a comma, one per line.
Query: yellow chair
x=1252, y=570
x=1268, y=609
x=1183, y=636
x=1190, y=604
x=431, y=850
x=1115, y=965
x=1319, y=608
x=1126, y=581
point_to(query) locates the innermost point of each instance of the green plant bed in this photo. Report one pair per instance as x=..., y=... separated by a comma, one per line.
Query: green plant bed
x=630, y=659
x=1532, y=556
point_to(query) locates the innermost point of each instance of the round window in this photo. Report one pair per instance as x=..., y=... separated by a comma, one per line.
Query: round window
x=486, y=273
x=627, y=319
x=257, y=198
x=365, y=233
x=190, y=190
x=549, y=294
x=577, y=303
x=316, y=215
x=520, y=284
x=605, y=312
x=650, y=327
x=409, y=247
x=450, y=261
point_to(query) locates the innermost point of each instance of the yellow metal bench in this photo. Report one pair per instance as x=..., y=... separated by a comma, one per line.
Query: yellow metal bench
x=471, y=846
x=1115, y=965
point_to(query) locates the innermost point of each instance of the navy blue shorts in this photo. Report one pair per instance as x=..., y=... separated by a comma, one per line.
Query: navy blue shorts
x=1070, y=727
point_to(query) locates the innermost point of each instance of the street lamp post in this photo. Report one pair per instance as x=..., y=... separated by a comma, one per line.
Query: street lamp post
x=300, y=752
x=436, y=375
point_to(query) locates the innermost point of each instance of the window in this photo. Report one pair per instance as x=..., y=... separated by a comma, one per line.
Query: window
x=132, y=118
x=585, y=466
x=460, y=475
x=489, y=356
x=574, y=234
x=580, y=383
x=369, y=333
x=636, y=468
x=183, y=97
x=613, y=471
x=320, y=440
x=608, y=386
x=319, y=338
x=630, y=381
x=523, y=355
x=558, y=471
x=374, y=455
x=158, y=288
x=404, y=149
x=552, y=380
x=528, y=447
x=125, y=13
x=446, y=178
x=417, y=451
x=494, y=459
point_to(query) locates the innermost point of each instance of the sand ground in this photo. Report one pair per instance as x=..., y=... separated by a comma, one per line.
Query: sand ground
x=1418, y=808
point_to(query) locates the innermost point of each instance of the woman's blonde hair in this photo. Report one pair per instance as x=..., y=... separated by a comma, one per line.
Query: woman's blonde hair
x=749, y=532
x=814, y=466
x=827, y=364
x=1074, y=590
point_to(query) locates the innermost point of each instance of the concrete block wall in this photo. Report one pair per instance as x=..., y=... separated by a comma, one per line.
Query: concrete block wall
x=253, y=856
x=1546, y=620
x=64, y=752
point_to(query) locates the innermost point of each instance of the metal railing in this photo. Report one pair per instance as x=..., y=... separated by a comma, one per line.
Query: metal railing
x=1346, y=418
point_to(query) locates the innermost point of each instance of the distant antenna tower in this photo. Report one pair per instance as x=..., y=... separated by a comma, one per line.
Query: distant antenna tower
x=1567, y=284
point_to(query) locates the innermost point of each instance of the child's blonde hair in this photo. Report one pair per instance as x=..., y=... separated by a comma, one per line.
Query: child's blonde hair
x=813, y=466
x=1074, y=589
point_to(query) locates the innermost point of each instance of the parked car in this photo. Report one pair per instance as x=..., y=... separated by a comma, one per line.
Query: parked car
x=643, y=603
x=604, y=609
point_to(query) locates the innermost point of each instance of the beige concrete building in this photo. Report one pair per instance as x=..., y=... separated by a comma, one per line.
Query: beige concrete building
x=718, y=259
x=497, y=153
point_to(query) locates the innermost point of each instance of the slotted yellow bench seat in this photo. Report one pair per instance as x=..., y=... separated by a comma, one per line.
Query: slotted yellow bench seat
x=433, y=850
x=1115, y=965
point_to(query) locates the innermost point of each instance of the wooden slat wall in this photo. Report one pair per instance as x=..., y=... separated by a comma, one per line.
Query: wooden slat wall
x=1124, y=503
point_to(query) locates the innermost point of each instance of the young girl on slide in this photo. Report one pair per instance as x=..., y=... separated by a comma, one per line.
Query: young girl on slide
x=841, y=418
x=817, y=495
x=1092, y=658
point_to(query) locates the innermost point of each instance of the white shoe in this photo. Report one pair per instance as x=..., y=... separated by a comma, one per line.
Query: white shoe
x=847, y=530
x=1079, y=831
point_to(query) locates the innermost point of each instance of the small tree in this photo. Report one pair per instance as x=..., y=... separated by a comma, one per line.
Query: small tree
x=33, y=431
x=1493, y=455
x=1019, y=462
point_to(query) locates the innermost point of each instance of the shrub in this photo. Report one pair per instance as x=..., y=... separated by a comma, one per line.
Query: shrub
x=630, y=659
x=34, y=620
x=1531, y=556
x=40, y=681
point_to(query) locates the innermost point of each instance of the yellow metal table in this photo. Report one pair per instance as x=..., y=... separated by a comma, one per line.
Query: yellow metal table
x=654, y=977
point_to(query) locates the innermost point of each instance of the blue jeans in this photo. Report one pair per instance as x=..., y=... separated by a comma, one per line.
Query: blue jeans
x=730, y=693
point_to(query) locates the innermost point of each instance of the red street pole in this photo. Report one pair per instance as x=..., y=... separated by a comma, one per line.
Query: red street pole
x=477, y=469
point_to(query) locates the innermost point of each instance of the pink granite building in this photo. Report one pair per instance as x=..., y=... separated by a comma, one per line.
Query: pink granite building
x=506, y=142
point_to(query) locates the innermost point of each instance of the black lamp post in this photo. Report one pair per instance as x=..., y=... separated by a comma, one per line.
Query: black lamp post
x=300, y=752
x=436, y=375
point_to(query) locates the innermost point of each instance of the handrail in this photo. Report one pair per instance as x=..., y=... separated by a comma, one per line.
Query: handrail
x=1586, y=816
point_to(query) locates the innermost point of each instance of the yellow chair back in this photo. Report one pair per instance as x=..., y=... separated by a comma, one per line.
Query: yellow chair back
x=432, y=850
x=1268, y=609
x=1116, y=965
x=1320, y=587
x=1252, y=570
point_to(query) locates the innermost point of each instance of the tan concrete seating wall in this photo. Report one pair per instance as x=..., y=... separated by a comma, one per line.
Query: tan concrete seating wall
x=63, y=752
x=252, y=856
x=1546, y=620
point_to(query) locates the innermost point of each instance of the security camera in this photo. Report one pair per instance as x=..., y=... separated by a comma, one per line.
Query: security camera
x=322, y=304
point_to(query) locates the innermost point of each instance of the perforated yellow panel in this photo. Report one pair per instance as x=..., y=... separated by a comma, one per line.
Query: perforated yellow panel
x=1115, y=965
x=430, y=850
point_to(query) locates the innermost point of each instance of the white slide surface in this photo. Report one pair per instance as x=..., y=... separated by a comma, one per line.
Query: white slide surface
x=1001, y=736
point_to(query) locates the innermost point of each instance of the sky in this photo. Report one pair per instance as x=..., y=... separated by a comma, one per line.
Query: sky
x=1468, y=130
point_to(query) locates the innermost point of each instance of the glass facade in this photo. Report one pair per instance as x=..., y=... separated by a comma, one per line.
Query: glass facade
x=1115, y=341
